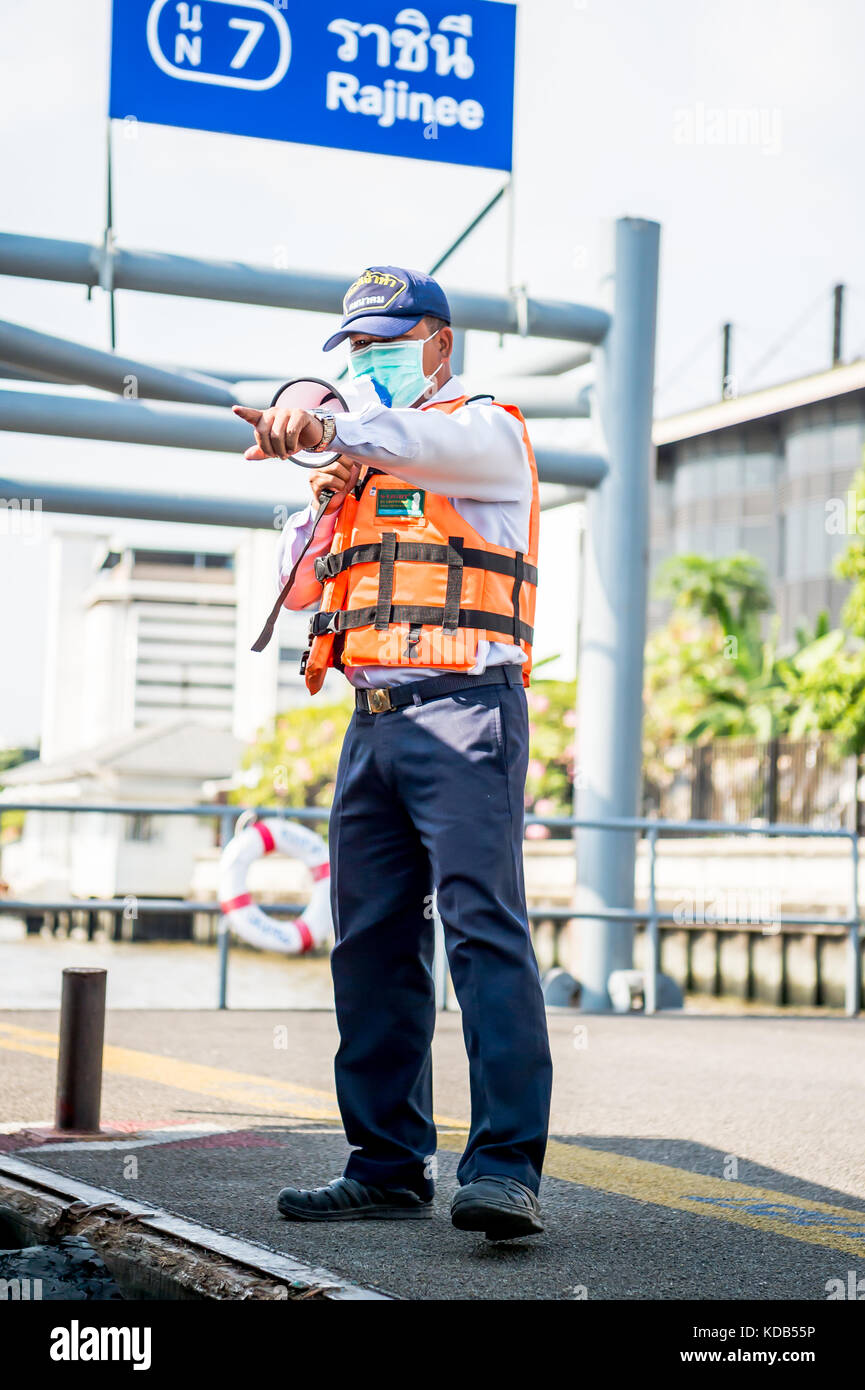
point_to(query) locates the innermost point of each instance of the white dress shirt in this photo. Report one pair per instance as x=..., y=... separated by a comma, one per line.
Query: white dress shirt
x=475, y=457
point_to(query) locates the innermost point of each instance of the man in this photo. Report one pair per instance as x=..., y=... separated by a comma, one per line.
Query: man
x=423, y=574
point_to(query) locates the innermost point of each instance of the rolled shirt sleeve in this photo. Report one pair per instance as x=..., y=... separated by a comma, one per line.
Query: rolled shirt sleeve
x=476, y=452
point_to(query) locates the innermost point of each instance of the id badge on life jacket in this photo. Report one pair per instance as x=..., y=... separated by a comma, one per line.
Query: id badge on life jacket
x=395, y=502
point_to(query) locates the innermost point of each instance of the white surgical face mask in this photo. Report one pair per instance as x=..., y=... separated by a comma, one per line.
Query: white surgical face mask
x=396, y=370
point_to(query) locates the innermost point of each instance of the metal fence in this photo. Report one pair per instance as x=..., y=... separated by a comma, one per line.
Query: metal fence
x=798, y=782
x=652, y=916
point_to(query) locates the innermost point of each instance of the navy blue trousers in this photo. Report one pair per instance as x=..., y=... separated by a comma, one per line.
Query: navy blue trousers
x=433, y=795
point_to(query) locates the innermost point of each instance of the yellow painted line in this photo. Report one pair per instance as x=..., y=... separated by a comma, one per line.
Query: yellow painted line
x=282, y=1097
x=296, y=1102
x=12, y=1046
x=760, y=1208
x=657, y=1184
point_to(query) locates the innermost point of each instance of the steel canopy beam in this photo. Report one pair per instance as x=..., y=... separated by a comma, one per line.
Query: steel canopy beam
x=9, y=372
x=66, y=363
x=195, y=509
x=539, y=398
x=573, y=468
x=76, y=262
x=75, y=362
x=124, y=422
x=203, y=427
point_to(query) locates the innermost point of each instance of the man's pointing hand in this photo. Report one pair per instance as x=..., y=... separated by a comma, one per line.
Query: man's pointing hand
x=279, y=433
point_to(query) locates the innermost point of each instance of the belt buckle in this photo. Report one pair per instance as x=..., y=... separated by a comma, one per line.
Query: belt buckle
x=378, y=701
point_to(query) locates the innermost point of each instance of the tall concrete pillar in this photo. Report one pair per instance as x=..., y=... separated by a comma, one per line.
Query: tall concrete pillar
x=614, y=610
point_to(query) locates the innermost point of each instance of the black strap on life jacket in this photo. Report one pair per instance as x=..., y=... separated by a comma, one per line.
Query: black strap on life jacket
x=515, y=595
x=266, y=633
x=385, y=580
x=415, y=615
x=453, y=593
x=423, y=552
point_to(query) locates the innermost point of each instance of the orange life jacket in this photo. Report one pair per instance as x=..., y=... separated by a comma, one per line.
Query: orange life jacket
x=408, y=582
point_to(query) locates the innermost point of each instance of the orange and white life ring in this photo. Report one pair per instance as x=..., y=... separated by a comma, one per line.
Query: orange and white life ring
x=275, y=836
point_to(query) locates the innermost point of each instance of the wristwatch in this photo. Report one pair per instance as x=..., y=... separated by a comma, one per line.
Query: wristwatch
x=328, y=430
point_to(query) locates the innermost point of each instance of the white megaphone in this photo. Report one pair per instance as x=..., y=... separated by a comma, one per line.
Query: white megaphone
x=318, y=397
x=322, y=397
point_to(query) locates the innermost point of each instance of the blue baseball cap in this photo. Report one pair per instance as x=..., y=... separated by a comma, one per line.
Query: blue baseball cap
x=387, y=301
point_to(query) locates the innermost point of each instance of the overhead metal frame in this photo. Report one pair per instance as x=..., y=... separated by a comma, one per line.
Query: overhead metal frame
x=78, y=262
x=142, y=504
x=616, y=564
x=59, y=359
x=207, y=428
x=28, y=355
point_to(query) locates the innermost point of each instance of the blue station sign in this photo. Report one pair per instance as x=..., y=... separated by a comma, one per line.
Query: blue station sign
x=431, y=84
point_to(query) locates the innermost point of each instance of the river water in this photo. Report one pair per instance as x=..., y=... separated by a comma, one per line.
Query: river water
x=158, y=974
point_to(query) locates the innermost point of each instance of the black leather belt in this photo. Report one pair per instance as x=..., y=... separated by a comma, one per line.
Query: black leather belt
x=384, y=699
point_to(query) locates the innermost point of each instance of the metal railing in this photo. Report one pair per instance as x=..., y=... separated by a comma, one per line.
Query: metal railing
x=652, y=916
x=803, y=781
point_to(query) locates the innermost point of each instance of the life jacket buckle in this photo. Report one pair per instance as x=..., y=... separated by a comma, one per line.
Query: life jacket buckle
x=323, y=623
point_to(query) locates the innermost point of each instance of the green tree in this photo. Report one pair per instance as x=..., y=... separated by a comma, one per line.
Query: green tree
x=711, y=672
x=733, y=590
x=827, y=680
x=293, y=763
x=552, y=750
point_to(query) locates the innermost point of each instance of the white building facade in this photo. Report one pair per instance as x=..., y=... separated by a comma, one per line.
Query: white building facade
x=150, y=692
x=138, y=636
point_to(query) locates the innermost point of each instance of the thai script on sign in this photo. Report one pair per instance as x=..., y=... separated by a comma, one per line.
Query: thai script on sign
x=411, y=46
x=434, y=83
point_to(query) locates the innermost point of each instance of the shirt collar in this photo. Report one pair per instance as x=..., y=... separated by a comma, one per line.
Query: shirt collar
x=451, y=391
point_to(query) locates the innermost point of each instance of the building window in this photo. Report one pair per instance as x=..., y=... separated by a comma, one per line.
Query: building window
x=806, y=541
x=810, y=438
x=140, y=828
x=758, y=539
x=725, y=540
x=693, y=481
x=187, y=559
x=728, y=475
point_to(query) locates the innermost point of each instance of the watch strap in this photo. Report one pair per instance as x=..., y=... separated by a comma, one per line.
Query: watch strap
x=328, y=430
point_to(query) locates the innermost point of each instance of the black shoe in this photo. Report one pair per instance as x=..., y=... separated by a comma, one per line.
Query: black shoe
x=500, y=1207
x=347, y=1200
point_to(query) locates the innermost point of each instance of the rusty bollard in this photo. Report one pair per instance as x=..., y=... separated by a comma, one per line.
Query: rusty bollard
x=79, y=1064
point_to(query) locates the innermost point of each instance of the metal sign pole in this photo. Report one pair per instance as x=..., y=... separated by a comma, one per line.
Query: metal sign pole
x=106, y=277
x=614, y=612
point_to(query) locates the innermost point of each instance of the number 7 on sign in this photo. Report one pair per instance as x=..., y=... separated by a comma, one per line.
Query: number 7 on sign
x=255, y=29
x=188, y=54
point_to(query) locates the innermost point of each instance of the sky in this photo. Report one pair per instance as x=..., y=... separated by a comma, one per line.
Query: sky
x=623, y=108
